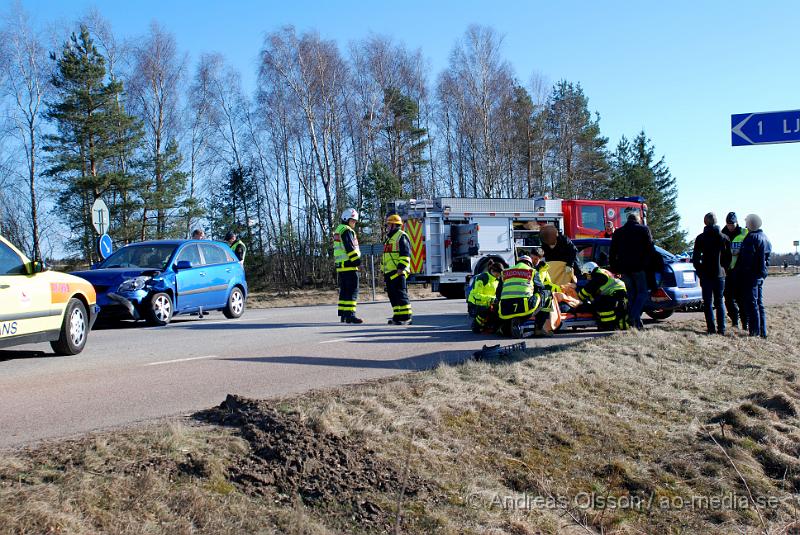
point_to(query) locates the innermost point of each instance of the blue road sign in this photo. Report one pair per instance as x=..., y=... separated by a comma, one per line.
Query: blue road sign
x=766, y=127
x=104, y=246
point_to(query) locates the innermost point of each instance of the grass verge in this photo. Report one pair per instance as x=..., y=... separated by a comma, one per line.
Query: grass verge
x=663, y=431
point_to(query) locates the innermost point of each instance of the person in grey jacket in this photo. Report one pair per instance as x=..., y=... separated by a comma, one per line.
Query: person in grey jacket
x=751, y=270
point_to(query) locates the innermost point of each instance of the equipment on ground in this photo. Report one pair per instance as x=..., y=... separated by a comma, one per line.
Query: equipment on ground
x=496, y=351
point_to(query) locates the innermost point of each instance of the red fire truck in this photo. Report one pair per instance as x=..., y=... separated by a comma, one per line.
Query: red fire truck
x=451, y=237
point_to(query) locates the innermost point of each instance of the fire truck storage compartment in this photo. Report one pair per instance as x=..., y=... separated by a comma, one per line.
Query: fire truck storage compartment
x=464, y=245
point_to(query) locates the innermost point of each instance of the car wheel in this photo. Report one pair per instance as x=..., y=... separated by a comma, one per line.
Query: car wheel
x=659, y=314
x=235, y=307
x=74, y=330
x=160, y=309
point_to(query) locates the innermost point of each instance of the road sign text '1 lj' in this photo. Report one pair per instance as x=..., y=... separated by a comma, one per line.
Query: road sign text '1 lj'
x=765, y=128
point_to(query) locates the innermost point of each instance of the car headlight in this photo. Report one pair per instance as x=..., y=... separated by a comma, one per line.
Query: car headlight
x=131, y=285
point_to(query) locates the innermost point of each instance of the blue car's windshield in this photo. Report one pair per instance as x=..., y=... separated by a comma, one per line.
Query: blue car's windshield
x=141, y=256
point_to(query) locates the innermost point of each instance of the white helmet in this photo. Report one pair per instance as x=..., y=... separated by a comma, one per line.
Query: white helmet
x=349, y=213
x=588, y=267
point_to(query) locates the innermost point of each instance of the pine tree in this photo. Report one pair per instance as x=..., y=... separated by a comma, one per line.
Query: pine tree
x=578, y=150
x=92, y=131
x=381, y=187
x=406, y=140
x=161, y=194
x=636, y=172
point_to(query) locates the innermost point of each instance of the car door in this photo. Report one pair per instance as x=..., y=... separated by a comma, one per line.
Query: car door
x=218, y=273
x=26, y=304
x=190, y=282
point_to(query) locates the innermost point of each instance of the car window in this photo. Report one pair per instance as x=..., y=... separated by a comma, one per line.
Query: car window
x=592, y=217
x=140, y=256
x=190, y=253
x=585, y=253
x=10, y=262
x=602, y=256
x=214, y=254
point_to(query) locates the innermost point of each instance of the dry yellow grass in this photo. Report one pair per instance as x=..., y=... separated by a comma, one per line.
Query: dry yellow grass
x=633, y=433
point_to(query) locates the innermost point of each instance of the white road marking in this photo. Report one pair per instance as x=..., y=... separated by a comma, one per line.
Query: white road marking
x=336, y=340
x=179, y=360
x=451, y=326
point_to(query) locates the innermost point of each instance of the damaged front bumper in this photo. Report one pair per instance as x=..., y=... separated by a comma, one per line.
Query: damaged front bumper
x=129, y=303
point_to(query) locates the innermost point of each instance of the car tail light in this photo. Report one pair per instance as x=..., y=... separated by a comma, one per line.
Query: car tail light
x=659, y=296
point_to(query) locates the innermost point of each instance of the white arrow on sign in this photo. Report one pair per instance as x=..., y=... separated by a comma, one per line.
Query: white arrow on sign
x=738, y=129
x=100, y=216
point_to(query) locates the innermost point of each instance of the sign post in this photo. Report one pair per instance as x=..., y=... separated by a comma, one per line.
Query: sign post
x=100, y=216
x=373, y=251
x=765, y=128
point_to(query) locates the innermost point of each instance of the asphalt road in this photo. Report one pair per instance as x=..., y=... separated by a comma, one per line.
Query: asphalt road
x=134, y=374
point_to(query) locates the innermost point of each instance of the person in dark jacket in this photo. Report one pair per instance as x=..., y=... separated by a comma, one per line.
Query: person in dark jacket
x=734, y=298
x=630, y=256
x=712, y=252
x=750, y=272
x=558, y=248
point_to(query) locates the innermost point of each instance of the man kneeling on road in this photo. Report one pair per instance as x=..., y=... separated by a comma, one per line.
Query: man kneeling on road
x=482, y=297
x=520, y=296
x=607, y=297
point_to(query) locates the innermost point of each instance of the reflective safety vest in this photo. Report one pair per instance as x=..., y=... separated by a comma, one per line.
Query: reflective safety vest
x=484, y=291
x=239, y=244
x=391, y=259
x=736, y=246
x=341, y=257
x=544, y=275
x=518, y=289
x=611, y=285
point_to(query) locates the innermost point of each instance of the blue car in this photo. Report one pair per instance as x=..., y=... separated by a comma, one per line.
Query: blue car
x=678, y=285
x=156, y=280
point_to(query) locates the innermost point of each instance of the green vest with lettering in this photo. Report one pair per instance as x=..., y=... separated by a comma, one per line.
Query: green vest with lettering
x=518, y=289
x=736, y=246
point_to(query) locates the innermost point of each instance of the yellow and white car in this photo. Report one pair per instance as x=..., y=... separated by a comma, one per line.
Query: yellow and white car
x=43, y=306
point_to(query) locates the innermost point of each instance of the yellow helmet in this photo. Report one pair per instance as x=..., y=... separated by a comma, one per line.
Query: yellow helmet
x=394, y=219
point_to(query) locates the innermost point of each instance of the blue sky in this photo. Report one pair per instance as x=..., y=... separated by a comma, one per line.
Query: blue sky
x=678, y=70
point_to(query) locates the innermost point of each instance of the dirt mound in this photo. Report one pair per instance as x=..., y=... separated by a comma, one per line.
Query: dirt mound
x=289, y=458
x=765, y=429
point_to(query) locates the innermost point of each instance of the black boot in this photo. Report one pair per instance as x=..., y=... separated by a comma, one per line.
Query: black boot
x=354, y=319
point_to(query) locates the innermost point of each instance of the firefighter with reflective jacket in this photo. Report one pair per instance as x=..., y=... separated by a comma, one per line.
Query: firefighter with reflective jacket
x=396, y=264
x=347, y=257
x=607, y=296
x=482, y=297
x=236, y=245
x=519, y=296
x=548, y=300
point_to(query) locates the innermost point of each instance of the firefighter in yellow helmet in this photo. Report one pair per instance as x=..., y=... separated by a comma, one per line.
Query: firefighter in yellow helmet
x=347, y=257
x=396, y=265
x=607, y=296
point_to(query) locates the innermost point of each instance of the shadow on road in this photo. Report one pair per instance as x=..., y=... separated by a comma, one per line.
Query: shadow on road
x=15, y=355
x=232, y=325
x=417, y=362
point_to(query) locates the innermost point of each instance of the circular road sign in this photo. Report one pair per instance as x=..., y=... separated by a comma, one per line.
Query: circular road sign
x=104, y=246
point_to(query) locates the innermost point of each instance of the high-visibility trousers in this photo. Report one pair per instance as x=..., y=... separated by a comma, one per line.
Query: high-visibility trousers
x=397, y=289
x=348, y=293
x=611, y=311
